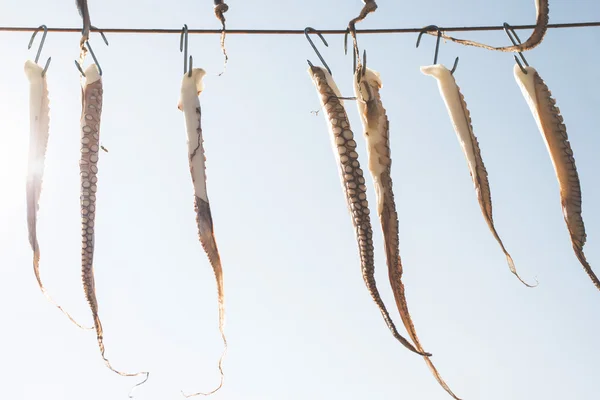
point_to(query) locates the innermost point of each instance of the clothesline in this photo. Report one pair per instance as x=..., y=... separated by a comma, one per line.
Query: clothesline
x=295, y=31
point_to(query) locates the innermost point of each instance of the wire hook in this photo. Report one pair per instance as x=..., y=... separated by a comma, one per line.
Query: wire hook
x=39, y=52
x=437, y=44
x=309, y=29
x=89, y=47
x=184, y=40
x=510, y=31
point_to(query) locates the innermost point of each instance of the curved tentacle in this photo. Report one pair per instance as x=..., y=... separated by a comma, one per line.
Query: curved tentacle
x=536, y=37
x=461, y=120
x=553, y=130
x=376, y=130
x=91, y=113
x=354, y=187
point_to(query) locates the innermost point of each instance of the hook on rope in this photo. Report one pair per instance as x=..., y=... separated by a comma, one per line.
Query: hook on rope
x=437, y=44
x=364, y=62
x=183, y=47
x=39, y=51
x=306, y=31
x=86, y=45
x=510, y=31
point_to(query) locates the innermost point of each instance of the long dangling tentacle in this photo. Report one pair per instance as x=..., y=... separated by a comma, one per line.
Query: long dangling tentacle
x=553, y=130
x=91, y=113
x=189, y=103
x=377, y=135
x=39, y=123
x=541, y=26
x=461, y=120
x=354, y=187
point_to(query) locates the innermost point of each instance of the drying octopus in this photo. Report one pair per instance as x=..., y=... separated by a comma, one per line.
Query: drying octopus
x=39, y=117
x=553, y=130
x=537, y=36
x=189, y=103
x=353, y=183
x=461, y=120
x=376, y=131
x=92, y=93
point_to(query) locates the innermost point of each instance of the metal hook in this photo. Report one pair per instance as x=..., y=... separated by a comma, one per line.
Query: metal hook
x=437, y=44
x=510, y=31
x=89, y=47
x=309, y=29
x=364, y=71
x=39, y=52
x=363, y=66
x=101, y=34
x=184, y=39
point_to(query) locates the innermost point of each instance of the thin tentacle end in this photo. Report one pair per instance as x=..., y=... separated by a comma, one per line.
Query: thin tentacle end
x=586, y=266
x=187, y=396
x=513, y=269
x=130, y=394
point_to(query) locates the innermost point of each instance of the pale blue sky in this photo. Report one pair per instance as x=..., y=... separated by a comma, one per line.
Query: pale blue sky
x=300, y=322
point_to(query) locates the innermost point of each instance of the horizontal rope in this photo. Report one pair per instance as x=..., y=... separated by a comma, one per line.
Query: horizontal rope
x=293, y=31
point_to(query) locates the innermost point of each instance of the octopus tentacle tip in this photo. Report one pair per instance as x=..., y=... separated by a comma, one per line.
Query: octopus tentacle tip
x=130, y=394
x=529, y=285
x=187, y=396
x=513, y=269
x=51, y=300
x=410, y=347
x=586, y=266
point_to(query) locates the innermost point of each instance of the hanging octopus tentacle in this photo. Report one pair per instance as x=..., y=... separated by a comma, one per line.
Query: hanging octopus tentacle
x=354, y=187
x=536, y=37
x=39, y=120
x=377, y=135
x=220, y=9
x=189, y=103
x=550, y=123
x=91, y=112
x=461, y=120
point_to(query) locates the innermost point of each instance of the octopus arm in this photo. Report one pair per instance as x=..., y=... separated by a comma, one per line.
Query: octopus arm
x=92, y=92
x=39, y=127
x=220, y=9
x=377, y=135
x=189, y=103
x=461, y=121
x=554, y=132
x=542, y=8
x=353, y=184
